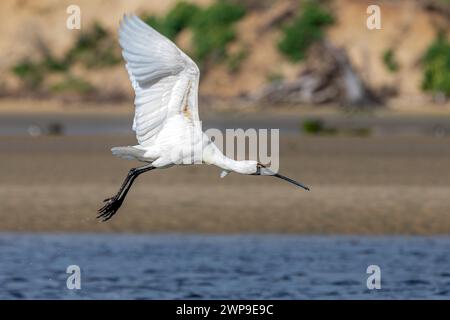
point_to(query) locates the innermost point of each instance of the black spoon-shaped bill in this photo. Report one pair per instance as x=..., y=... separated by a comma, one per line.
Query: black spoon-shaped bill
x=298, y=184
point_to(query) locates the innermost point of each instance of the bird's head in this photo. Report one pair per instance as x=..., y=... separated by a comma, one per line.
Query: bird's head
x=255, y=168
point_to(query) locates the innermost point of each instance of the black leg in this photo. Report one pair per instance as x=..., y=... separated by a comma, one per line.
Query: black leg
x=114, y=203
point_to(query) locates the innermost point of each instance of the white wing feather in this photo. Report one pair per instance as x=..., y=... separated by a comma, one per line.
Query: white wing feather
x=165, y=80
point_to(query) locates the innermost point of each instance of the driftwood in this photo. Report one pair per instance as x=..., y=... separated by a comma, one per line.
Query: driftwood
x=328, y=77
x=438, y=6
x=279, y=15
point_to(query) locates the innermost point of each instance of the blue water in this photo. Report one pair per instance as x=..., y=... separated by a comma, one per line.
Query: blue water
x=223, y=267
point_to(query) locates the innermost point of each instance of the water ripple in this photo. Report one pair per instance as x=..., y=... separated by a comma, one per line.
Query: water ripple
x=222, y=267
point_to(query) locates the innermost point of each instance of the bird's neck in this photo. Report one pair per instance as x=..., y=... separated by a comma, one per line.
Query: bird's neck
x=212, y=155
x=226, y=163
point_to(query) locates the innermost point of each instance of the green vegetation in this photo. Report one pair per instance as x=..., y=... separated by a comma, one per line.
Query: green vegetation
x=212, y=31
x=73, y=85
x=357, y=132
x=177, y=19
x=234, y=61
x=306, y=28
x=313, y=126
x=389, y=61
x=94, y=48
x=32, y=74
x=317, y=127
x=436, y=78
x=212, y=28
x=29, y=72
x=52, y=64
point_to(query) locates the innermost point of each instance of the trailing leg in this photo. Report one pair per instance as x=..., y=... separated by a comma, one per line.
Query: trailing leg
x=114, y=203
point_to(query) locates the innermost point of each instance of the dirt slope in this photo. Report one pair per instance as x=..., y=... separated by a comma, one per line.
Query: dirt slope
x=406, y=27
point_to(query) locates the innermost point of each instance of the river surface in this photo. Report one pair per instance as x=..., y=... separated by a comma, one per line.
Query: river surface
x=92, y=124
x=222, y=267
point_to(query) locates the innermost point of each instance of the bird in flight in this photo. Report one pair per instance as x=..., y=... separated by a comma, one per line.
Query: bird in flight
x=165, y=81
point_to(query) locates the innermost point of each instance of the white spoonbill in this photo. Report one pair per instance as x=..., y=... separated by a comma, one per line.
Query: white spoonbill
x=165, y=81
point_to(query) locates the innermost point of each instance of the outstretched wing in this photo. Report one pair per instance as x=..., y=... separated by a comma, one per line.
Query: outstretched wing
x=164, y=79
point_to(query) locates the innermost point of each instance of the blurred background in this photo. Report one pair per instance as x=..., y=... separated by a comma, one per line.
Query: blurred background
x=364, y=119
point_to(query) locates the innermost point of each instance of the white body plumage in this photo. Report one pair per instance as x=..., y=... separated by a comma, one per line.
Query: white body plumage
x=166, y=120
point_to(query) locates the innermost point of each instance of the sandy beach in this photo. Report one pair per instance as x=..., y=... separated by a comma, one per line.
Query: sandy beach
x=360, y=185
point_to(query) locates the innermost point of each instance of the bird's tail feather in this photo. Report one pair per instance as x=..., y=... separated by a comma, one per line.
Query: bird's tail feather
x=129, y=153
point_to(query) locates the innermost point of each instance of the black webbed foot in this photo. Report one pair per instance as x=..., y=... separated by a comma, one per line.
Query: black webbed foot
x=112, y=205
x=110, y=208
